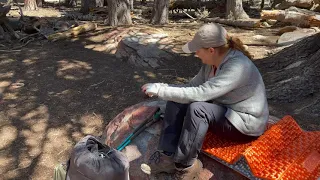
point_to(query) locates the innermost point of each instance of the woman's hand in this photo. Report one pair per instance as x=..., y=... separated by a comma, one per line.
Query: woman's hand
x=152, y=89
x=144, y=87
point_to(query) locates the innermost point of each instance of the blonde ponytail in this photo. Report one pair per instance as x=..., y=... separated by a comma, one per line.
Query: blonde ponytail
x=236, y=43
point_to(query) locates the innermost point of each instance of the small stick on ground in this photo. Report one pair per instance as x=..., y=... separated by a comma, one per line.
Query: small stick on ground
x=188, y=15
x=15, y=48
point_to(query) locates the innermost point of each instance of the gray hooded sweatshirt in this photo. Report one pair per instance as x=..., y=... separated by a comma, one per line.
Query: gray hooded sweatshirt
x=237, y=85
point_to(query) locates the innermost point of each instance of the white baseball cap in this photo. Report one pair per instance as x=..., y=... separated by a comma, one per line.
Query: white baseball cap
x=208, y=35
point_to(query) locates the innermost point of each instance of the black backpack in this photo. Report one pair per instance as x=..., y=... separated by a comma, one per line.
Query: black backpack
x=93, y=160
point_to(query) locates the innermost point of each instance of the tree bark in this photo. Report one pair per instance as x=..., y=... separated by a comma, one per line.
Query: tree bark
x=40, y=3
x=131, y=4
x=99, y=3
x=119, y=12
x=30, y=5
x=160, y=12
x=71, y=3
x=235, y=10
x=87, y=4
x=292, y=78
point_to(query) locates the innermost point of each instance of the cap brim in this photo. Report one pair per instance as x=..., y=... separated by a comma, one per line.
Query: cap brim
x=190, y=47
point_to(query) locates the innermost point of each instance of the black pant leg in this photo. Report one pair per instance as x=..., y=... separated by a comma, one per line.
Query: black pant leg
x=198, y=118
x=172, y=126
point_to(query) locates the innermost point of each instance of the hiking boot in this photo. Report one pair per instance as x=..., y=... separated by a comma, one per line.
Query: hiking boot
x=189, y=173
x=159, y=162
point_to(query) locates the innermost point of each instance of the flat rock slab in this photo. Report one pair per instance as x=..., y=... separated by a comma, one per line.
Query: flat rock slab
x=299, y=34
x=144, y=50
x=140, y=149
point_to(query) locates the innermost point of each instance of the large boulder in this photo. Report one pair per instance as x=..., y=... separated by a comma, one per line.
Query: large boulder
x=292, y=81
x=144, y=50
x=140, y=149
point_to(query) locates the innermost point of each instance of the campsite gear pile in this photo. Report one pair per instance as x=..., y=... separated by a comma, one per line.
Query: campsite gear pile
x=94, y=160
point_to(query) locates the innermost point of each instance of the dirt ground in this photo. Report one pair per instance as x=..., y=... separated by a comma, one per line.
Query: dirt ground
x=54, y=93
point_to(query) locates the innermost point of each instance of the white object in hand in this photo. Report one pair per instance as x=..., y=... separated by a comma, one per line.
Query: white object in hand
x=152, y=89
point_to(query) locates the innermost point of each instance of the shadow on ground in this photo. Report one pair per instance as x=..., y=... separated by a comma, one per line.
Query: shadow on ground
x=56, y=93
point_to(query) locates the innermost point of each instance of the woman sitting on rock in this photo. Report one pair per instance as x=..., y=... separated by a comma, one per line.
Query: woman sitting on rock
x=227, y=97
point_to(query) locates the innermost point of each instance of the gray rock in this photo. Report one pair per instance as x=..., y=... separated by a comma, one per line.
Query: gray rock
x=132, y=42
x=143, y=50
x=295, y=36
x=137, y=61
x=149, y=52
x=153, y=62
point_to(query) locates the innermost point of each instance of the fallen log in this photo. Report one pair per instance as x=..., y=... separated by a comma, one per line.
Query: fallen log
x=303, y=11
x=73, y=32
x=297, y=18
x=246, y=23
x=286, y=29
x=284, y=4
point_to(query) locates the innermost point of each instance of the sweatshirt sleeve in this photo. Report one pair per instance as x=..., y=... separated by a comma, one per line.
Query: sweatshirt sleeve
x=231, y=75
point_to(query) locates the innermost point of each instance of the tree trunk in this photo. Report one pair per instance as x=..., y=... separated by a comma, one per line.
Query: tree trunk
x=30, y=5
x=71, y=3
x=292, y=79
x=235, y=10
x=40, y=3
x=87, y=4
x=99, y=3
x=131, y=4
x=119, y=12
x=160, y=12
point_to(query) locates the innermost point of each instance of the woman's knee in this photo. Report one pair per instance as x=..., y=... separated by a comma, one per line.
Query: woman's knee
x=197, y=109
